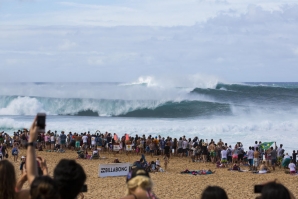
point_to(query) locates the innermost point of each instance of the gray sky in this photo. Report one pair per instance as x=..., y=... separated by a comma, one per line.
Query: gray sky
x=122, y=40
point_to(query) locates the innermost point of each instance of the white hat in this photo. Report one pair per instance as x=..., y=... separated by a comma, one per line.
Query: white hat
x=23, y=157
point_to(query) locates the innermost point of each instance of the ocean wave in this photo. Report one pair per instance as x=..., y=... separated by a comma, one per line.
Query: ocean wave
x=17, y=105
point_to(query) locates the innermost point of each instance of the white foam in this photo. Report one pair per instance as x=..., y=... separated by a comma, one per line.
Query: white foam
x=22, y=106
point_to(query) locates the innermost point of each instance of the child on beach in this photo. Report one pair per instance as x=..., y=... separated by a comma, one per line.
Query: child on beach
x=15, y=152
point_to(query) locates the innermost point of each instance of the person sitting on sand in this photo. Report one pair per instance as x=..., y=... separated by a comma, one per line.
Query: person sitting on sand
x=292, y=167
x=159, y=169
x=286, y=161
x=116, y=161
x=139, y=164
x=235, y=167
x=139, y=185
x=219, y=164
x=263, y=168
x=152, y=166
x=157, y=162
x=95, y=154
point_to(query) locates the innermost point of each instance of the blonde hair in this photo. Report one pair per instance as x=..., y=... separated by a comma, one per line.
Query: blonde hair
x=138, y=181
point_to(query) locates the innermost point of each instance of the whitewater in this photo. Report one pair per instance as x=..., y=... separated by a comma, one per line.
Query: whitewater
x=193, y=106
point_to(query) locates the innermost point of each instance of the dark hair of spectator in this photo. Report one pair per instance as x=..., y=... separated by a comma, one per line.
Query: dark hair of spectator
x=7, y=180
x=214, y=192
x=70, y=178
x=44, y=187
x=273, y=190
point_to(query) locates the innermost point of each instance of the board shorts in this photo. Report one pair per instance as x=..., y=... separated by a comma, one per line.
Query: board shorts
x=62, y=141
x=77, y=144
x=212, y=153
x=256, y=162
x=235, y=156
x=224, y=160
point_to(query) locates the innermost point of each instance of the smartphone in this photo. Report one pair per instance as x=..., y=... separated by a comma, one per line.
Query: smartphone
x=84, y=188
x=41, y=121
x=258, y=188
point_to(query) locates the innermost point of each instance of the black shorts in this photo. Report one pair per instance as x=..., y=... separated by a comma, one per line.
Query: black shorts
x=240, y=156
x=180, y=150
x=73, y=143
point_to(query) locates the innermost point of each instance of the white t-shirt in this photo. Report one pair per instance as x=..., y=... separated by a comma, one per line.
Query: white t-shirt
x=292, y=167
x=250, y=154
x=223, y=154
x=184, y=144
x=84, y=138
x=157, y=162
x=52, y=138
x=93, y=140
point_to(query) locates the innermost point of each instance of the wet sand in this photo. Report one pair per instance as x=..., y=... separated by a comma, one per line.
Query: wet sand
x=169, y=184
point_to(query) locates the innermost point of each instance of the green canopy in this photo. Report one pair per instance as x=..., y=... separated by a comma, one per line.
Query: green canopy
x=266, y=145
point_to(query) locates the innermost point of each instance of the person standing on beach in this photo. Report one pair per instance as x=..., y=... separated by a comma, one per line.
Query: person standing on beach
x=180, y=150
x=4, y=150
x=184, y=147
x=63, y=140
x=211, y=149
x=162, y=144
x=273, y=157
x=250, y=157
x=15, y=153
x=85, y=139
x=280, y=154
x=256, y=159
x=78, y=141
x=294, y=154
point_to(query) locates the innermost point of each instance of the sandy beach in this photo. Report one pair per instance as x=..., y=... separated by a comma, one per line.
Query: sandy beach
x=169, y=184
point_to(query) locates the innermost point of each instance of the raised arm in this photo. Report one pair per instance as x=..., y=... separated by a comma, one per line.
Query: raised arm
x=31, y=163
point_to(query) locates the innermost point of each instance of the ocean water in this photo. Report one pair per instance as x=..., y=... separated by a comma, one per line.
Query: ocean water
x=206, y=108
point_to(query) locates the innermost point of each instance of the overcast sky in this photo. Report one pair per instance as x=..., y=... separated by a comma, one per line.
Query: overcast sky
x=121, y=40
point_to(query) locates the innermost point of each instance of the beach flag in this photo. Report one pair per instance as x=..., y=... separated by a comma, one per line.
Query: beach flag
x=266, y=145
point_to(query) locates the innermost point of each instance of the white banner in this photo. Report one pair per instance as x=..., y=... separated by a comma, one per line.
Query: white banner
x=128, y=147
x=116, y=147
x=113, y=169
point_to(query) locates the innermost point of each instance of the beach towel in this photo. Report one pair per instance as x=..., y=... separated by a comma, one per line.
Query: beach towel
x=197, y=172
